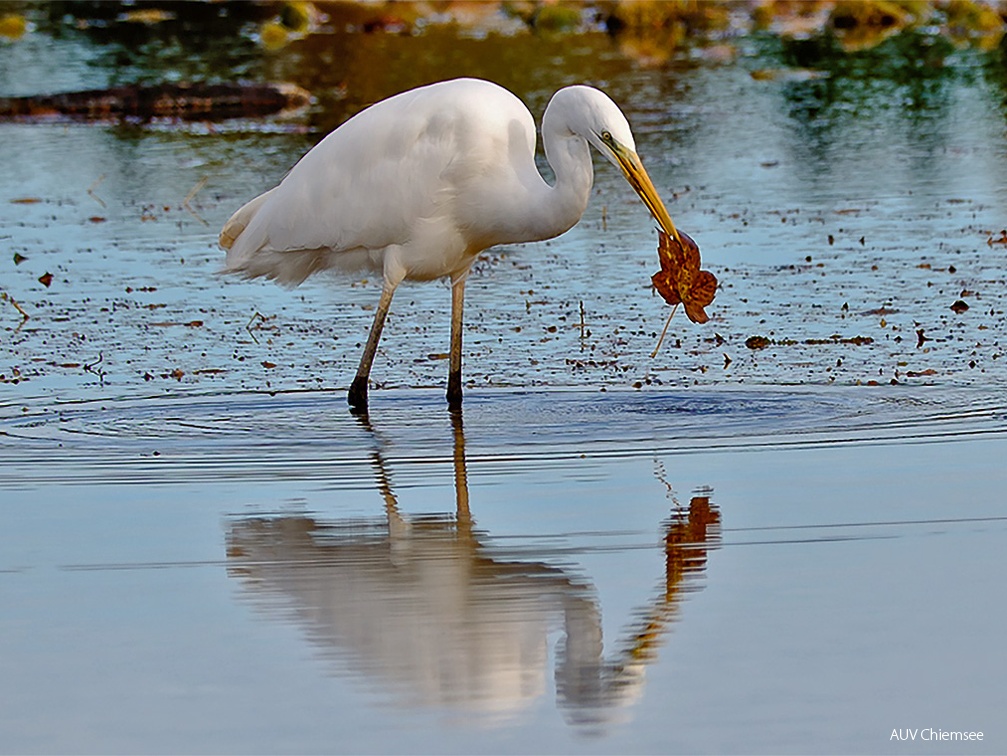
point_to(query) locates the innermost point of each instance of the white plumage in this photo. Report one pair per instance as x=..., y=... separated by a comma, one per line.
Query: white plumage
x=416, y=186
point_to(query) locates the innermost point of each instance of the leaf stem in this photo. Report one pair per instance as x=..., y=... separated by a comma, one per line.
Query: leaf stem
x=661, y=339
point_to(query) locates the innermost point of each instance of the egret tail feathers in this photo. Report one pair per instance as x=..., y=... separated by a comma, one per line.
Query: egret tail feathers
x=246, y=238
x=240, y=220
x=250, y=252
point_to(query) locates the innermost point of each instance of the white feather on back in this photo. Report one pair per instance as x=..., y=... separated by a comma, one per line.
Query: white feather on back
x=388, y=178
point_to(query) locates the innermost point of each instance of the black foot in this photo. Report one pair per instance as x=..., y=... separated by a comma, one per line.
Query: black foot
x=358, y=395
x=454, y=391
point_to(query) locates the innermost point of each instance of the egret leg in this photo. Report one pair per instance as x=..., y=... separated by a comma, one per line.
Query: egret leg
x=455, y=367
x=358, y=389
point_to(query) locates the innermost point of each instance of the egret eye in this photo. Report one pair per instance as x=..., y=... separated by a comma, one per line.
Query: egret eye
x=606, y=136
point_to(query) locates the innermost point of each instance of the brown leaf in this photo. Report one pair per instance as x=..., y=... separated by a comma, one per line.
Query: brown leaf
x=680, y=281
x=268, y=364
x=45, y=279
x=959, y=307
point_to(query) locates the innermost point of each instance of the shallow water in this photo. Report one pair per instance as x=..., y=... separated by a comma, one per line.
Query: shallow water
x=718, y=549
x=843, y=216
x=761, y=571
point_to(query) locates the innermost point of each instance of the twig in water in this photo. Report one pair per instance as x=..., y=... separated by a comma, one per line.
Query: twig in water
x=9, y=298
x=90, y=368
x=661, y=339
x=583, y=329
x=248, y=325
x=191, y=196
x=94, y=185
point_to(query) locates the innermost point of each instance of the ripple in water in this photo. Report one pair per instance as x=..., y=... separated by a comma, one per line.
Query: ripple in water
x=314, y=433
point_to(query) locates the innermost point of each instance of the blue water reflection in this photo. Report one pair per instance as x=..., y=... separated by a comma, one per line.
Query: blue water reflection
x=425, y=608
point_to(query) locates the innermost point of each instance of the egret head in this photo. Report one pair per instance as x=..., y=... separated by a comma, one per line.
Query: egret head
x=590, y=113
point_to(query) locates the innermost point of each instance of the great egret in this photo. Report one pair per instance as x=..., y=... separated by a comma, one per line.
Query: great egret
x=416, y=186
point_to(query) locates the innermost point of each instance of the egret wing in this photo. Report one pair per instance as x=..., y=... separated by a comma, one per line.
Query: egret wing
x=388, y=176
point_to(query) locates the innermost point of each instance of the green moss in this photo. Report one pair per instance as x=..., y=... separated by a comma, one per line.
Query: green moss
x=556, y=18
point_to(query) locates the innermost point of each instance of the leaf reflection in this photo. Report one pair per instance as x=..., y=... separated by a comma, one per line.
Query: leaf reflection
x=426, y=608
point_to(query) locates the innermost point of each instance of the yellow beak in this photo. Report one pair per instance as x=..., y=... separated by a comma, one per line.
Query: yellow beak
x=637, y=177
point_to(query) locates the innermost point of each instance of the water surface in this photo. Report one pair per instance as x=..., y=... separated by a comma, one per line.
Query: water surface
x=726, y=571
x=717, y=549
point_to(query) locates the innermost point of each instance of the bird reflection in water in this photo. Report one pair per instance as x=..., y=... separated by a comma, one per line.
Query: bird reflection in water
x=424, y=606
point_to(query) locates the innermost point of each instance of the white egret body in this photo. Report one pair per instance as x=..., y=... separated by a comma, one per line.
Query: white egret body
x=416, y=186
